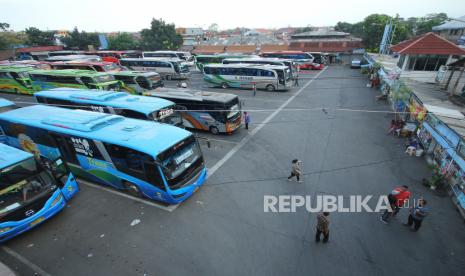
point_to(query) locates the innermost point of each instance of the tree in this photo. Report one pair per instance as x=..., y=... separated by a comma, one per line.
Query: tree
x=373, y=29
x=343, y=27
x=81, y=40
x=122, y=41
x=9, y=38
x=36, y=37
x=213, y=28
x=160, y=36
x=426, y=24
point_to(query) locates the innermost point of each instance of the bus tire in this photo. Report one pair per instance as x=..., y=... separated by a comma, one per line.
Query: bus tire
x=168, y=77
x=132, y=189
x=270, y=87
x=214, y=130
x=224, y=85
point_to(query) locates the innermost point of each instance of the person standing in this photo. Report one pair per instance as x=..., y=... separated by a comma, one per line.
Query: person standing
x=322, y=227
x=296, y=170
x=246, y=119
x=417, y=214
x=254, y=87
x=397, y=199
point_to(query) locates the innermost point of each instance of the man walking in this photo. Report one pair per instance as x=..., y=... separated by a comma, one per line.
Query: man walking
x=246, y=119
x=296, y=170
x=417, y=214
x=397, y=199
x=322, y=227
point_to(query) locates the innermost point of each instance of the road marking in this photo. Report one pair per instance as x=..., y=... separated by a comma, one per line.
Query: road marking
x=254, y=131
x=169, y=208
x=25, y=261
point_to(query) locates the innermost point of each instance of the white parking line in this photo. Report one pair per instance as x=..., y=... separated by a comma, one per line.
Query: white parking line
x=169, y=208
x=25, y=261
x=254, y=131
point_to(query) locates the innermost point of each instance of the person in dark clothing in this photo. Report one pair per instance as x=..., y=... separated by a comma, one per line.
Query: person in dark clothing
x=417, y=214
x=322, y=227
x=246, y=119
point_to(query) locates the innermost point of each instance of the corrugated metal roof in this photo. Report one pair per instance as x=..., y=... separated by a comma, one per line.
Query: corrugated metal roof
x=453, y=24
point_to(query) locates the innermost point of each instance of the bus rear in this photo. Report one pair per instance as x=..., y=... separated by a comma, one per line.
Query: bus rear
x=30, y=191
x=304, y=60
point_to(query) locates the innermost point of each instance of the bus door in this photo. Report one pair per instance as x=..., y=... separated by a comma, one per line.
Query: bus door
x=67, y=151
x=65, y=178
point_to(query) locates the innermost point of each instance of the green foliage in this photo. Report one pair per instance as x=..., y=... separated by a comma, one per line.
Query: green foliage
x=160, y=36
x=400, y=92
x=303, y=30
x=81, y=40
x=8, y=38
x=426, y=24
x=122, y=41
x=36, y=37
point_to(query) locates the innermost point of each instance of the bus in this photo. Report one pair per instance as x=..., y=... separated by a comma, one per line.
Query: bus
x=65, y=53
x=31, y=191
x=84, y=79
x=168, y=68
x=304, y=60
x=118, y=103
x=271, y=61
x=85, y=65
x=269, y=77
x=201, y=110
x=6, y=105
x=74, y=58
x=115, y=56
x=202, y=60
x=136, y=82
x=15, y=79
x=145, y=159
x=186, y=56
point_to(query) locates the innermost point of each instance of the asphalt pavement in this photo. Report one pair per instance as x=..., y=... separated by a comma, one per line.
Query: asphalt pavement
x=223, y=229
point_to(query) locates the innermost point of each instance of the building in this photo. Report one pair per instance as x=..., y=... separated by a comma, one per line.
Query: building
x=453, y=30
x=452, y=79
x=422, y=57
x=191, y=36
x=324, y=40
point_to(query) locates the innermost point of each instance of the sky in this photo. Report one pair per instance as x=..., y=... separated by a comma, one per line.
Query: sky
x=134, y=15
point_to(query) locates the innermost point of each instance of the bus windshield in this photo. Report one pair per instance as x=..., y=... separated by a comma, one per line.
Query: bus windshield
x=178, y=160
x=103, y=78
x=234, y=109
x=168, y=115
x=111, y=67
x=22, y=183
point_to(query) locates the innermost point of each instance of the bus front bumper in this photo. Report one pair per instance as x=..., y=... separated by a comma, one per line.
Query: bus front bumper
x=53, y=205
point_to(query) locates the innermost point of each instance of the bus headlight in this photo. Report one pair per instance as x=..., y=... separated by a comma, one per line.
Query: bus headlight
x=56, y=200
x=3, y=230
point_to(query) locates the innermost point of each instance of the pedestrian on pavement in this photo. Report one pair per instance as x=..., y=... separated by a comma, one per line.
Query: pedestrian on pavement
x=417, y=214
x=254, y=87
x=397, y=199
x=296, y=170
x=322, y=227
x=246, y=119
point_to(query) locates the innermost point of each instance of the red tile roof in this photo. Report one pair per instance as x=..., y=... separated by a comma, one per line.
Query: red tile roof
x=39, y=49
x=245, y=49
x=273, y=47
x=208, y=49
x=428, y=44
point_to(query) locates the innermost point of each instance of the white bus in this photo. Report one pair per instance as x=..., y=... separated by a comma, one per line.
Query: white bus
x=271, y=61
x=269, y=77
x=186, y=56
x=168, y=68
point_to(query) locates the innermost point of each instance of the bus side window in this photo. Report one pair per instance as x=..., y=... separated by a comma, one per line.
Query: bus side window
x=153, y=174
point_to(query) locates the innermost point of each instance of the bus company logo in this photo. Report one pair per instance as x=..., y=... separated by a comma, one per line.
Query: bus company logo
x=29, y=213
x=82, y=146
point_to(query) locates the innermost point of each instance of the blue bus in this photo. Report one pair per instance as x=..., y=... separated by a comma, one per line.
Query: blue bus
x=31, y=190
x=118, y=103
x=146, y=159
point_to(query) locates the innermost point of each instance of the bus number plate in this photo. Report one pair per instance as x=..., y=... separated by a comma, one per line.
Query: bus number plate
x=39, y=220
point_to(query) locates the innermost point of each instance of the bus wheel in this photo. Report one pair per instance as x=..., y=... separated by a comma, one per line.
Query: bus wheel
x=132, y=189
x=270, y=87
x=224, y=85
x=214, y=130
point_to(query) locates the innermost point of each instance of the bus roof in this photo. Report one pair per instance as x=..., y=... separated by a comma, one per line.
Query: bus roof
x=135, y=73
x=16, y=69
x=141, y=104
x=81, y=62
x=69, y=72
x=145, y=136
x=152, y=59
x=10, y=156
x=194, y=95
x=260, y=59
x=5, y=103
x=247, y=65
x=227, y=55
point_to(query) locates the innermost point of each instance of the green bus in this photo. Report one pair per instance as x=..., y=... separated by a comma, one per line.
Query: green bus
x=201, y=60
x=83, y=79
x=15, y=79
x=136, y=82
